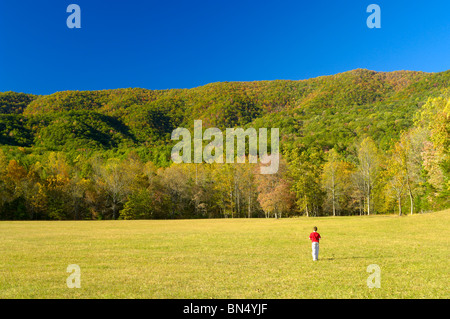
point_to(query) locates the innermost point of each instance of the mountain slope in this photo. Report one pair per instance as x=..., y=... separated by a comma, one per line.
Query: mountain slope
x=322, y=112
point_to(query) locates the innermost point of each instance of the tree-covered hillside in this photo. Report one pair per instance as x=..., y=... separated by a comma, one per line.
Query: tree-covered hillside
x=86, y=134
x=324, y=111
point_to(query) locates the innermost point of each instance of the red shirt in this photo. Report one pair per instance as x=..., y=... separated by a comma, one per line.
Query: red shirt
x=314, y=236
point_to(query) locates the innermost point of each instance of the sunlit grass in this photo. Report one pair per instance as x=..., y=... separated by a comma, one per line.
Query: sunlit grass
x=227, y=258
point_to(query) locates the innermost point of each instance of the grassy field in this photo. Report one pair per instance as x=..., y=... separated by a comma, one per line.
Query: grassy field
x=227, y=258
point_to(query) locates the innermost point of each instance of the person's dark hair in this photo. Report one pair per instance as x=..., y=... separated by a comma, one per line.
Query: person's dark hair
x=315, y=228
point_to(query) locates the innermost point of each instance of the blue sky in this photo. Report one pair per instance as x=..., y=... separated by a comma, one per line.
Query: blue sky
x=184, y=44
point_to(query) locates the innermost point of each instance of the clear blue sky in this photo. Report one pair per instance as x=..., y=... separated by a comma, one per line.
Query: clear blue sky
x=183, y=44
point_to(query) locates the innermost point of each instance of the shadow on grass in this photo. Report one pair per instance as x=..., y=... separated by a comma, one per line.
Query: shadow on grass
x=339, y=258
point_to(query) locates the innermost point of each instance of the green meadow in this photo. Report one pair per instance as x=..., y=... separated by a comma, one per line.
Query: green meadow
x=227, y=258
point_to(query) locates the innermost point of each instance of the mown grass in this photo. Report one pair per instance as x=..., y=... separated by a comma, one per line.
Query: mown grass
x=227, y=258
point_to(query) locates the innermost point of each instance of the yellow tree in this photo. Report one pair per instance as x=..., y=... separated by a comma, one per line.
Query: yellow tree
x=56, y=173
x=397, y=172
x=15, y=177
x=435, y=117
x=176, y=181
x=369, y=166
x=35, y=192
x=118, y=178
x=408, y=153
x=335, y=176
x=223, y=176
x=247, y=173
x=305, y=169
x=3, y=189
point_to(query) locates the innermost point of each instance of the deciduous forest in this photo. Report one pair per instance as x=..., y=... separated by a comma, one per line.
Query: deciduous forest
x=355, y=143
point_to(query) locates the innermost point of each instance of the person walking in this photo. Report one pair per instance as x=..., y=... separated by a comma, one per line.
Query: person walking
x=315, y=237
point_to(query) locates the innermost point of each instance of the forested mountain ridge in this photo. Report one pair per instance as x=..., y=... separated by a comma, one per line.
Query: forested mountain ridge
x=144, y=117
x=85, y=130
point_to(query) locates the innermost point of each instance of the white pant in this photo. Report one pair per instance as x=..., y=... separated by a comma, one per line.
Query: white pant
x=315, y=251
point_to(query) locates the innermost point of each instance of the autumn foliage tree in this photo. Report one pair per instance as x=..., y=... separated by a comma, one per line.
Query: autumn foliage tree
x=275, y=195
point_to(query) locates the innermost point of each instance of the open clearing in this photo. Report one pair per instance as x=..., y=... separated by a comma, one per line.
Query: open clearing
x=227, y=258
